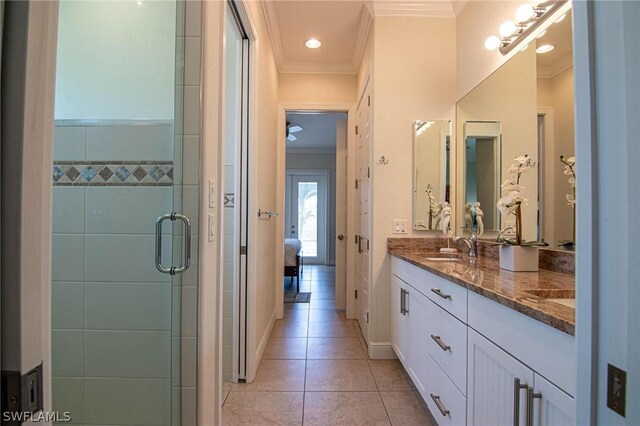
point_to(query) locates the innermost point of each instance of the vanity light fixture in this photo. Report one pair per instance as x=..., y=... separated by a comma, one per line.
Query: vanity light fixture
x=313, y=43
x=545, y=48
x=529, y=18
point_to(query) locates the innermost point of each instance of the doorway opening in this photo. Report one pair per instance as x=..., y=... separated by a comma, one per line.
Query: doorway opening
x=311, y=210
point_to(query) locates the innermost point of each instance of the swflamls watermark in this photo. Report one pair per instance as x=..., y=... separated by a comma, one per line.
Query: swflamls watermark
x=40, y=416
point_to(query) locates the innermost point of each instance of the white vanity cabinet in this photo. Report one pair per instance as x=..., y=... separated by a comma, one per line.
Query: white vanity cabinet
x=467, y=355
x=399, y=319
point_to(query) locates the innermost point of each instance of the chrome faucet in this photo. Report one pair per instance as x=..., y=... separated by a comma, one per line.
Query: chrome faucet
x=472, y=244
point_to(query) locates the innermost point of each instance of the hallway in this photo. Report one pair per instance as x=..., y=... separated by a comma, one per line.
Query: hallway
x=315, y=371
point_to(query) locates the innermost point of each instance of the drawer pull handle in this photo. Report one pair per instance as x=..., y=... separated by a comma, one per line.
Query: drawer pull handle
x=441, y=407
x=440, y=343
x=440, y=293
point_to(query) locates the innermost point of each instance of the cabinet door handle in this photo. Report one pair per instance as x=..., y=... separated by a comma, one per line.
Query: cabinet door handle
x=441, y=294
x=441, y=407
x=402, y=301
x=441, y=343
x=406, y=293
x=517, y=387
x=530, y=397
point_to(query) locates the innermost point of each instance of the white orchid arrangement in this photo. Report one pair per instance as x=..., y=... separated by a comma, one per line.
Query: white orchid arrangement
x=512, y=199
x=570, y=170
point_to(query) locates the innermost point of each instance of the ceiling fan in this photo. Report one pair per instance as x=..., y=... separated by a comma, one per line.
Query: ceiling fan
x=292, y=129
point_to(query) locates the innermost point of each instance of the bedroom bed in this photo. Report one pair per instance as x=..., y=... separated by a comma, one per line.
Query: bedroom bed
x=293, y=260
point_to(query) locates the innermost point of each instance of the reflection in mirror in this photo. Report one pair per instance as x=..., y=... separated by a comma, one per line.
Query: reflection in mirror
x=531, y=97
x=431, y=185
x=483, y=171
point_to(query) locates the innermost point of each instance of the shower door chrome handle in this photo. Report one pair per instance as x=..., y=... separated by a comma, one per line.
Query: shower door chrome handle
x=187, y=244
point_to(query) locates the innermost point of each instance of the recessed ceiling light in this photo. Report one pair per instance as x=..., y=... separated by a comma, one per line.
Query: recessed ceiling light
x=313, y=43
x=545, y=48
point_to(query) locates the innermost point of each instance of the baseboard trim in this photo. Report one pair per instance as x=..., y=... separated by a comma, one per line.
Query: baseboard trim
x=264, y=341
x=381, y=350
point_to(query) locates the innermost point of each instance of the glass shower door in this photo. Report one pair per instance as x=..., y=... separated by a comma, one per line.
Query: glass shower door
x=124, y=302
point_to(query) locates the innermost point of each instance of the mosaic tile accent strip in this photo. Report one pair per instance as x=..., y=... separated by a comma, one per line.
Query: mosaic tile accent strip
x=112, y=173
x=229, y=200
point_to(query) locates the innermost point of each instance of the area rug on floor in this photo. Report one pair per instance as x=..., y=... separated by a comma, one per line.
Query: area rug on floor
x=292, y=297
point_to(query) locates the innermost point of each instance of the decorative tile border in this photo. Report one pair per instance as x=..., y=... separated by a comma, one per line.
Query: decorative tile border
x=112, y=173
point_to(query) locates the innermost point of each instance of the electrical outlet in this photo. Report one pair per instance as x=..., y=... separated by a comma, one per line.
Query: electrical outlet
x=616, y=389
x=399, y=226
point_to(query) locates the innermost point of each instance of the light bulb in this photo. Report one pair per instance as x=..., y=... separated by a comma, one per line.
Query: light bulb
x=492, y=43
x=507, y=29
x=525, y=12
x=313, y=43
x=545, y=48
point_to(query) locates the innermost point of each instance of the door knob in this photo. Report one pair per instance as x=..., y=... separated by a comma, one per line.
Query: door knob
x=340, y=237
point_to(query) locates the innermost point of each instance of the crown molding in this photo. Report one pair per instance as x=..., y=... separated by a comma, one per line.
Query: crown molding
x=458, y=6
x=557, y=67
x=421, y=9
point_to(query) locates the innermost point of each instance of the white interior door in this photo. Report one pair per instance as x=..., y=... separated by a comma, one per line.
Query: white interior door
x=363, y=177
x=308, y=215
x=341, y=214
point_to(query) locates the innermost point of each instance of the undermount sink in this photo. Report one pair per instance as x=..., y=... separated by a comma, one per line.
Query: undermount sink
x=566, y=297
x=444, y=257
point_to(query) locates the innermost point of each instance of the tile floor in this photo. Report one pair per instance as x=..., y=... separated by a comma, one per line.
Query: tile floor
x=315, y=371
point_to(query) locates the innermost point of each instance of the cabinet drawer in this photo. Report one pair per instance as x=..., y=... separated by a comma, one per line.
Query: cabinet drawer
x=449, y=296
x=446, y=403
x=446, y=339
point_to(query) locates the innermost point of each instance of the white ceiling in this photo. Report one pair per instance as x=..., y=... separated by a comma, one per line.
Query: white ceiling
x=319, y=131
x=342, y=26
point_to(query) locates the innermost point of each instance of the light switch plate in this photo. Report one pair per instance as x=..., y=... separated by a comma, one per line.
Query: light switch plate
x=211, y=219
x=212, y=195
x=399, y=226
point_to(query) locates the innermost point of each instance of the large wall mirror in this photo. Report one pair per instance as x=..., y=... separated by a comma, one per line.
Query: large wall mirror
x=431, y=183
x=524, y=108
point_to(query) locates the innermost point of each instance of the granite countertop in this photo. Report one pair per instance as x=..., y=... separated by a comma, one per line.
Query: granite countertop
x=519, y=291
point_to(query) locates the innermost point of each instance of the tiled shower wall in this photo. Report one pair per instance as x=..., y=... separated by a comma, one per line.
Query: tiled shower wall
x=124, y=335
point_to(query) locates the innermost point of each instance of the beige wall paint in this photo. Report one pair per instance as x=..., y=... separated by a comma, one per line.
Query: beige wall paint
x=478, y=20
x=414, y=62
x=263, y=146
x=509, y=97
x=317, y=88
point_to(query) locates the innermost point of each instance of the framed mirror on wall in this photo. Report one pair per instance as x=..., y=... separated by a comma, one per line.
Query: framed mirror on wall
x=432, y=173
x=530, y=102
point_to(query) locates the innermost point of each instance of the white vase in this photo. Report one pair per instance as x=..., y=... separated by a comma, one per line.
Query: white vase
x=519, y=258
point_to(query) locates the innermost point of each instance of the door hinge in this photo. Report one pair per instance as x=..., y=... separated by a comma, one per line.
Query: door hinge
x=368, y=171
x=356, y=130
x=356, y=183
x=356, y=294
x=367, y=244
x=243, y=250
x=369, y=100
x=367, y=317
x=356, y=239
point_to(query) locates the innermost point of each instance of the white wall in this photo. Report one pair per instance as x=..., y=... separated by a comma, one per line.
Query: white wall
x=136, y=81
x=408, y=84
x=316, y=88
x=263, y=156
x=321, y=161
